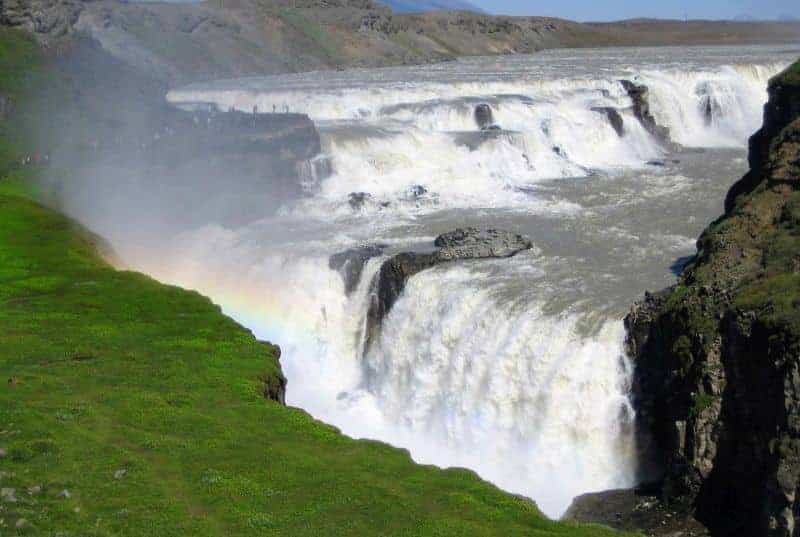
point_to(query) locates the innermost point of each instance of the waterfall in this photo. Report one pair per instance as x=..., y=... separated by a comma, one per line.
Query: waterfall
x=512, y=368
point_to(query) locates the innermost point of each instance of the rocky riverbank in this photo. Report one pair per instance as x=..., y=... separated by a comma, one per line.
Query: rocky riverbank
x=717, y=359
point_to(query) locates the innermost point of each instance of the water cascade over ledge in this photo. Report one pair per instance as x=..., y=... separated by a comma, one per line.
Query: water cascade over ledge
x=514, y=367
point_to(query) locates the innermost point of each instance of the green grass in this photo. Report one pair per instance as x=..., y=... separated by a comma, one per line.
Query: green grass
x=132, y=408
x=701, y=403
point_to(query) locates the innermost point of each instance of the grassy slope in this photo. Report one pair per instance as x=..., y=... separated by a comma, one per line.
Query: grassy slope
x=104, y=371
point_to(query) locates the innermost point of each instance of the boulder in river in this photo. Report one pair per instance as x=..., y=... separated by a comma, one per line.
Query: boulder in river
x=350, y=263
x=460, y=244
x=357, y=200
x=640, y=95
x=416, y=192
x=474, y=243
x=709, y=105
x=484, y=117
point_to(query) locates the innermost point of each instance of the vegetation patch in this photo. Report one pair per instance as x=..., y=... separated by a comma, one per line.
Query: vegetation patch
x=701, y=403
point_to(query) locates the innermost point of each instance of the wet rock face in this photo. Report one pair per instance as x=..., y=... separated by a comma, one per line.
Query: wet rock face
x=709, y=105
x=460, y=244
x=350, y=264
x=640, y=96
x=614, y=118
x=484, y=117
x=720, y=414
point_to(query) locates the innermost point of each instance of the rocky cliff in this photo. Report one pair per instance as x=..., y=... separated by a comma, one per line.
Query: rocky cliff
x=717, y=356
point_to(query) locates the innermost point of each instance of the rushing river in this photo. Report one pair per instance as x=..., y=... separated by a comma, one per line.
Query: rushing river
x=514, y=368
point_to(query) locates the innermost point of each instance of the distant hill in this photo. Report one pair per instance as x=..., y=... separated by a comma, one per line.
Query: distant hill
x=784, y=17
x=178, y=43
x=418, y=6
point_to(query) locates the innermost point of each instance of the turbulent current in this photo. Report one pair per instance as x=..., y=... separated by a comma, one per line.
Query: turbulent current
x=513, y=368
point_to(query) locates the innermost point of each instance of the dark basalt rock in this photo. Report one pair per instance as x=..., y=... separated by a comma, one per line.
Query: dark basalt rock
x=635, y=510
x=460, y=244
x=711, y=109
x=357, y=200
x=350, y=264
x=474, y=243
x=640, y=95
x=662, y=163
x=417, y=191
x=484, y=117
x=709, y=105
x=614, y=118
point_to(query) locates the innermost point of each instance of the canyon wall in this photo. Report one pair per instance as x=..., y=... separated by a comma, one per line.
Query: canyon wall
x=717, y=356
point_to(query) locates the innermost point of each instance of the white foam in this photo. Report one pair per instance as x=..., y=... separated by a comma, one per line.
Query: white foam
x=737, y=95
x=385, y=138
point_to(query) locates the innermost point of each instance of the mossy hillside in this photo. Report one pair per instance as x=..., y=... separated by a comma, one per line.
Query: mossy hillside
x=748, y=260
x=128, y=407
